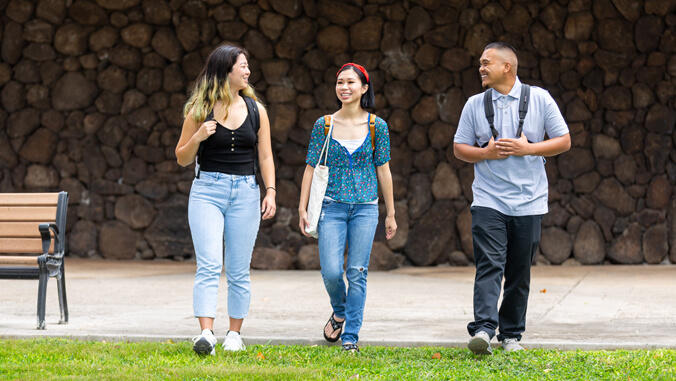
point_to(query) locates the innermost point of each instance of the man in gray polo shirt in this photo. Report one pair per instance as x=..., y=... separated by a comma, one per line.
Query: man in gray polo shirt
x=510, y=193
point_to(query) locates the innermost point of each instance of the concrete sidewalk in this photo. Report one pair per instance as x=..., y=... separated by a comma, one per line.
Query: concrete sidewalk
x=604, y=307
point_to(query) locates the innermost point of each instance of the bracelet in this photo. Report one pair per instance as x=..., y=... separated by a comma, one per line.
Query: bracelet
x=273, y=188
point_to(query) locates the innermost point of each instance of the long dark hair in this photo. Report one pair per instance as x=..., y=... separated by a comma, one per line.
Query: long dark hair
x=212, y=84
x=368, y=99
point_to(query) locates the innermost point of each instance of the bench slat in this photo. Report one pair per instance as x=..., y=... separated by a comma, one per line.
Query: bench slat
x=23, y=246
x=20, y=230
x=28, y=199
x=18, y=260
x=28, y=213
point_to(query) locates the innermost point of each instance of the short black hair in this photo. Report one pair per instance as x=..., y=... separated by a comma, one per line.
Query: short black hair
x=368, y=100
x=500, y=46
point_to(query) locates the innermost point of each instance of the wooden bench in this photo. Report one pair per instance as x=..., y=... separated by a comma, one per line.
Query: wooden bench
x=32, y=241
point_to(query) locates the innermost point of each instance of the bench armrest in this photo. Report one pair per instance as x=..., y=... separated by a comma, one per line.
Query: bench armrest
x=46, y=237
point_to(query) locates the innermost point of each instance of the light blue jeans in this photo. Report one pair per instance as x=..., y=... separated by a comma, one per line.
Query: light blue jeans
x=224, y=213
x=354, y=225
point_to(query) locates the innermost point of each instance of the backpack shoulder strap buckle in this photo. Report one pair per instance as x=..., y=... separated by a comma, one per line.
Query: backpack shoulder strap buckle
x=372, y=129
x=490, y=113
x=327, y=124
x=524, y=98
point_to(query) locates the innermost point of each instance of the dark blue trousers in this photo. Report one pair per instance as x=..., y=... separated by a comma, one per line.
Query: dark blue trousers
x=503, y=246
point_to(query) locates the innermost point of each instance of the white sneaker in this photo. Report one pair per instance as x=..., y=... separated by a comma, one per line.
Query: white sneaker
x=205, y=343
x=511, y=345
x=480, y=344
x=233, y=342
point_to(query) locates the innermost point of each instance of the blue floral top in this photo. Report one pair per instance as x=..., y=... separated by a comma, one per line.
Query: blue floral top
x=352, y=177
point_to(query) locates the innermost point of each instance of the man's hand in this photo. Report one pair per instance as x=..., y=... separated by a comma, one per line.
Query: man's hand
x=492, y=151
x=513, y=147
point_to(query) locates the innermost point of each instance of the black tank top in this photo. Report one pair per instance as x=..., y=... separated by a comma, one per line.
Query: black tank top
x=230, y=151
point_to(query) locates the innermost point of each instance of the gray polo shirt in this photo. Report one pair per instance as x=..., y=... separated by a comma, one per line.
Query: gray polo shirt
x=515, y=186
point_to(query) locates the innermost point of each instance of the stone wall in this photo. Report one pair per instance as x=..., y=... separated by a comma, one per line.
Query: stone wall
x=92, y=93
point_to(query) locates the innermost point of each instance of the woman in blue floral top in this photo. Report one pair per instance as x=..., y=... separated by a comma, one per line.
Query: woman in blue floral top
x=350, y=209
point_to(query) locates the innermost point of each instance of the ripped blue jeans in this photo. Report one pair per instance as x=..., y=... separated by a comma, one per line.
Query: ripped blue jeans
x=354, y=225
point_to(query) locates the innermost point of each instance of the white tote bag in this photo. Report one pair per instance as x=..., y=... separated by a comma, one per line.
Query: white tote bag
x=320, y=179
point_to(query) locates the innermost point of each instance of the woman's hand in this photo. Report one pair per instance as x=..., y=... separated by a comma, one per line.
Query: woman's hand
x=390, y=227
x=269, y=206
x=207, y=129
x=192, y=135
x=303, y=222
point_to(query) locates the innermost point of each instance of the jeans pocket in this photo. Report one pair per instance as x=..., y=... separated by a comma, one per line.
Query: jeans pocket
x=251, y=181
x=205, y=179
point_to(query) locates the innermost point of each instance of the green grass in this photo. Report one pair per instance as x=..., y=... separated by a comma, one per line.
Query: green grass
x=61, y=359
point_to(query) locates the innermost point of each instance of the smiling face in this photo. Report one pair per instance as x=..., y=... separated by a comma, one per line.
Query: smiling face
x=492, y=68
x=239, y=76
x=349, y=87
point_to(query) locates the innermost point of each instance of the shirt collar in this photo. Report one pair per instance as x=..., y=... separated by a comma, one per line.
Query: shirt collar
x=514, y=93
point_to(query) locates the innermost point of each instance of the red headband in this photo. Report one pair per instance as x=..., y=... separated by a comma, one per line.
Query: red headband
x=359, y=67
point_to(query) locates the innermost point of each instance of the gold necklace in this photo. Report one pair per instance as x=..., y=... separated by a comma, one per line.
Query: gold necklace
x=504, y=107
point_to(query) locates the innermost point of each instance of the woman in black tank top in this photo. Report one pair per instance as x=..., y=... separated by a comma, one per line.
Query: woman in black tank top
x=229, y=133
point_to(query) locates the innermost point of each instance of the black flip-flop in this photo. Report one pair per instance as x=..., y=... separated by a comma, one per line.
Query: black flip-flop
x=336, y=326
x=350, y=347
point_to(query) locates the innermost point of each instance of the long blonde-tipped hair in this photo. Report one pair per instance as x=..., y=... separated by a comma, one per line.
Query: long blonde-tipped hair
x=212, y=84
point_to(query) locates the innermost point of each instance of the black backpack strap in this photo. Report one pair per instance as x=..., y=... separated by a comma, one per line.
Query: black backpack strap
x=490, y=113
x=523, y=107
x=201, y=147
x=252, y=109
